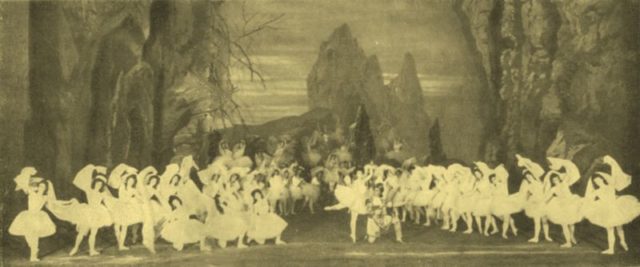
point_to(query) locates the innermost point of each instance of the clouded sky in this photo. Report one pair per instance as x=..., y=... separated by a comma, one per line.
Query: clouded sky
x=387, y=28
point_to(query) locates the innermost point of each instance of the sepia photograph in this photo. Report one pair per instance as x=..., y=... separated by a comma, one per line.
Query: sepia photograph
x=319, y=133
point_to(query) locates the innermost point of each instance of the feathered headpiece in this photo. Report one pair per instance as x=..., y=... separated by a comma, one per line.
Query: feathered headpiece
x=22, y=180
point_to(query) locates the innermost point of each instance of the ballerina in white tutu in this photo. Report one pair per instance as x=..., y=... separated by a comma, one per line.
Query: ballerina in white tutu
x=32, y=223
x=180, y=229
x=484, y=196
x=563, y=207
x=126, y=209
x=603, y=207
x=231, y=222
x=264, y=223
x=424, y=194
x=535, y=204
x=503, y=204
x=87, y=217
x=467, y=188
x=354, y=198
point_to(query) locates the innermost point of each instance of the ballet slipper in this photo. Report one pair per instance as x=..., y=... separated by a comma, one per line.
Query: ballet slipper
x=548, y=238
x=353, y=238
x=178, y=247
x=504, y=236
x=624, y=246
x=34, y=259
x=123, y=248
x=468, y=231
x=241, y=245
x=280, y=242
x=94, y=253
x=534, y=240
x=399, y=240
x=608, y=251
x=566, y=245
x=222, y=244
x=73, y=252
x=260, y=241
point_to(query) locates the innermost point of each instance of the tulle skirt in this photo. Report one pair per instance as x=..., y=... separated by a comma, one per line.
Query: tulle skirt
x=438, y=199
x=424, y=198
x=311, y=191
x=159, y=212
x=349, y=198
x=482, y=206
x=126, y=212
x=450, y=202
x=466, y=203
x=34, y=223
x=226, y=227
x=507, y=205
x=81, y=214
x=183, y=231
x=267, y=226
x=565, y=210
x=296, y=192
x=399, y=199
x=535, y=207
x=621, y=211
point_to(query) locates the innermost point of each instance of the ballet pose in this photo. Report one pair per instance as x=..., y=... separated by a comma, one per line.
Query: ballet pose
x=33, y=223
x=87, y=217
x=563, y=207
x=180, y=229
x=503, y=204
x=484, y=196
x=535, y=190
x=264, y=223
x=126, y=209
x=354, y=198
x=231, y=222
x=603, y=207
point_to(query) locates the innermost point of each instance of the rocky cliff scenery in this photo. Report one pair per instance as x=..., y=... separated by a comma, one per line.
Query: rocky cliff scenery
x=557, y=72
x=151, y=82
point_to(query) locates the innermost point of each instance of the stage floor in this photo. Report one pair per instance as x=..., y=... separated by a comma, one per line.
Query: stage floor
x=323, y=240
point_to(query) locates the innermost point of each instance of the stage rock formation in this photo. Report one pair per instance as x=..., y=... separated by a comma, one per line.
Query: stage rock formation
x=343, y=77
x=561, y=72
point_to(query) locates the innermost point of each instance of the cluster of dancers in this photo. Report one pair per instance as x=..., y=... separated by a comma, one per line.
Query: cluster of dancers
x=240, y=200
x=478, y=195
x=225, y=202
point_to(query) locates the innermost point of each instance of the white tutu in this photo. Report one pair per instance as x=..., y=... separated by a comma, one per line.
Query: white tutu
x=535, y=207
x=125, y=212
x=311, y=191
x=81, y=214
x=565, y=210
x=34, y=223
x=623, y=210
x=266, y=226
x=423, y=198
x=450, y=202
x=296, y=192
x=399, y=199
x=438, y=199
x=183, y=231
x=226, y=227
x=466, y=203
x=482, y=205
x=507, y=205
x=348, y=197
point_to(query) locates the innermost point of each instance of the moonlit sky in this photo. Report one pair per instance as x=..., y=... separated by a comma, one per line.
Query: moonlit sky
x=387, y=28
